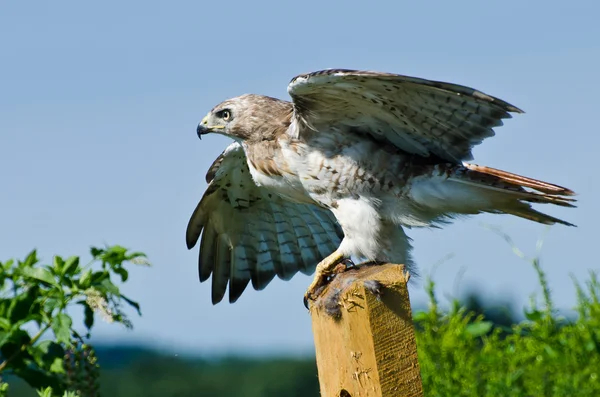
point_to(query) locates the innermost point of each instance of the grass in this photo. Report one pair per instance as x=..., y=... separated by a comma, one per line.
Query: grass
x=462, y=354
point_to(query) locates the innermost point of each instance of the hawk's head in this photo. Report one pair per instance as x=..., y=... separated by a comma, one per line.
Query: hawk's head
x=248, y=118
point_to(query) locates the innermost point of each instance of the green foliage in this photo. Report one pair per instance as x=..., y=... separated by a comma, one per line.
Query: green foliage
x=461, y=353
x=38, y=341
x=464, y=355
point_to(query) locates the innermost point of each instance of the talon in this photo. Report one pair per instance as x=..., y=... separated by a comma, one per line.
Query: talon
x=349, y=263
x=322, y=273
x=311, y=296
x=314, y=290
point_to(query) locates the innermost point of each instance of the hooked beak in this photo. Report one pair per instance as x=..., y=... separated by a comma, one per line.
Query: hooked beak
x=203, y=127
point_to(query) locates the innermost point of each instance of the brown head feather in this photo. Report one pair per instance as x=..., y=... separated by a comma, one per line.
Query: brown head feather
x=255, y=117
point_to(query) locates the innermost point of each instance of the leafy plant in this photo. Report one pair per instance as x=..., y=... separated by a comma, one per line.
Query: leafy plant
x=38, y=341
x=461, y=354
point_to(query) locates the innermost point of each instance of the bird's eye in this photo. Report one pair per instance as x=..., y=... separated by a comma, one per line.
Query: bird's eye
x=225, y=114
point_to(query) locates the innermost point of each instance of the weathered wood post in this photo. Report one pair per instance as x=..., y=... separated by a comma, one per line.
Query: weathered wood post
x=364, y=335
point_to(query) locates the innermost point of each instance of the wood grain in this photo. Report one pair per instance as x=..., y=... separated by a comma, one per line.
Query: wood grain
x=364, y=335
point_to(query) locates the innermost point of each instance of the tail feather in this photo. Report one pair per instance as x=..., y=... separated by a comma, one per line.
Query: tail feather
x=526, y=212
x=523, y=181
x=513, y=194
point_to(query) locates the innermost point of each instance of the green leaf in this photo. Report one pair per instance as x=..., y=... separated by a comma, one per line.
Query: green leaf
x=117, y=250
x=24, y=305
x=96, y=251
x=88, y=314
x=550, y=351
x=420, y=316
x=135, y=254
x=515, y=375
x=70, y=266
x=58, y=264
x=13, y=341
x=40, y=274
x=86, y=279
x=109, y=287
x=37, y=379
x=479, y=328
x=57, y=365
x=4, y=323
x=132, y=303
x=61, y=325
x=123, y=273
x=52, y=303
x=114, y=256
x=98, y=276
x=534, y=315
x=31, y=260
x=47, y=353
x=50, y=349
x=6, y=266
x=4, y=305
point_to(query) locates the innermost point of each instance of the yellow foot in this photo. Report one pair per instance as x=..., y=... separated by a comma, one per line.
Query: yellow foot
x=323, y=270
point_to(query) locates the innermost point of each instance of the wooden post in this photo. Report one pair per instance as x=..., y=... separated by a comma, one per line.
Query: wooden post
x=364, y=335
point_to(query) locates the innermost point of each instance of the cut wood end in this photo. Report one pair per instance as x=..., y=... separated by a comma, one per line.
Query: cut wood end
x=373, y=277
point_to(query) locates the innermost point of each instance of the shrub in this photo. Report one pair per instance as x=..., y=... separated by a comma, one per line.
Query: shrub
x=38, y=341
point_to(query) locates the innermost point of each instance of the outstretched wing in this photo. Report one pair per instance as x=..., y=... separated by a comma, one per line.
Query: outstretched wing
x=418, y=116
x=250, y=234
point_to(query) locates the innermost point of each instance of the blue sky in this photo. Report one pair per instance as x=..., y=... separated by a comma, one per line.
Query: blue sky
x=99, y=103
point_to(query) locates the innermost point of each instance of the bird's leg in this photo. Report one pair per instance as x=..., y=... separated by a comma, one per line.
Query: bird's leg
x=323, y=270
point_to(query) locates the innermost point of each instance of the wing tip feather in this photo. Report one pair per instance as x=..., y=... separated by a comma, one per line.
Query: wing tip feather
x=237, y=286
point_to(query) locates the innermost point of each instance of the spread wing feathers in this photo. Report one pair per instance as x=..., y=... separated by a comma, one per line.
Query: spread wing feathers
x=418, y=116
x=249, y=234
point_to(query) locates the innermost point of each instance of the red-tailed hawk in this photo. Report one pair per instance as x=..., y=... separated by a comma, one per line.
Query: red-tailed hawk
x=342, y=170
